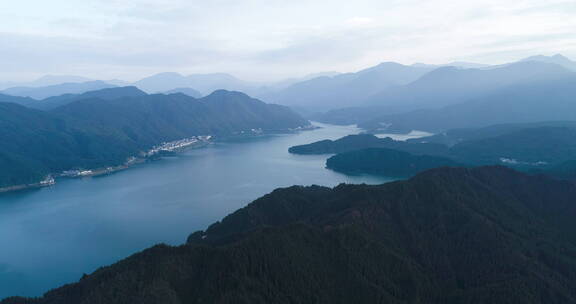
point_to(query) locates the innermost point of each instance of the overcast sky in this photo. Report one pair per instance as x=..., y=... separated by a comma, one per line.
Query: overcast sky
x=271, y=39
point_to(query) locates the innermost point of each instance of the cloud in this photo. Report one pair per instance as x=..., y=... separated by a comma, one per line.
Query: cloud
x=359, y=21
x=264, y=39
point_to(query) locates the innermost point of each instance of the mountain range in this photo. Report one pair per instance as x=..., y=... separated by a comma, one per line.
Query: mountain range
x=325, y=91
x=57, y=89
x=449, y=235
x=343, y=90
x=104, y=128
x=551, y=100
x=448, y=86
x=370, y=97
x=558, y=59
x=186, y=91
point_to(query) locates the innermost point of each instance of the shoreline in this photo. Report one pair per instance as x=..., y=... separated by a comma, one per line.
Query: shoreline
x=156, y=153
x=153, y=154
x=47, y=182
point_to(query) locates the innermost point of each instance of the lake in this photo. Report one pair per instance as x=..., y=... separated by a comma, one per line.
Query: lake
x=51, y=236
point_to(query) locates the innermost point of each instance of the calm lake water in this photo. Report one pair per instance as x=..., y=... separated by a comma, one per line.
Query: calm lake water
x=52, y=236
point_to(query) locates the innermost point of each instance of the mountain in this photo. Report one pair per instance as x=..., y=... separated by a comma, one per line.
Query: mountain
x=531, y=147
x=266, y=89
x=50, y=80
x=162, y=82
x=445, y=86
x=105, y=128
x=385, y=162
x=364, y=141
x=56, y=90
x=556, y=59
x=324, y=93
x=450, y=235
x=186, y=91
x=531, y=102
x=107, y=94
x=152, y=119
x=546, y=149
x=24, y=101
x=319, y=74
x=204, y=83
x=118, y=82
x=458, y=64
x=36, y=143
x=449, y=85
x=454, y=136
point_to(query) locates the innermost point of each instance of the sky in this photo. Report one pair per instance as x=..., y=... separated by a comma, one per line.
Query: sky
x=268, y=40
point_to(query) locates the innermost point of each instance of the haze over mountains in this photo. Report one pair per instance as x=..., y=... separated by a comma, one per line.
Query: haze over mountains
x=445, y=86
x=186, y=91
x=57, y=89
x=463, y=89
x=391, y=86
x=388, y=97
x=523, y=103
x=558, y=59
x=346, y=89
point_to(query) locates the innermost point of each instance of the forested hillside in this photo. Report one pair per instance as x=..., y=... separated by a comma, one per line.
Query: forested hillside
x=485, y=235
x=104, y=128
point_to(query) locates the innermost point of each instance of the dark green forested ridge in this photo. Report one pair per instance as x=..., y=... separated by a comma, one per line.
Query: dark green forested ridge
x=548, y=147
x=385, y=162
x=450, y=235
x=36, y=143
x=363, y=141
x=104, y=128
x=544, y=145
x=152, y=119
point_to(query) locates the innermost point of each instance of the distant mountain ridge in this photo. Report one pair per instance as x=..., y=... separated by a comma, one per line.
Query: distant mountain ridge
x=558, y=59
x=46, y=80
x=56, y=90
x=447, y=87
x=315, y=92
x=204, y=83
x=523, y=103
x=343, y=90
x=457, y=64
x=186, y=91
x=106, y=94
x=454, y=136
